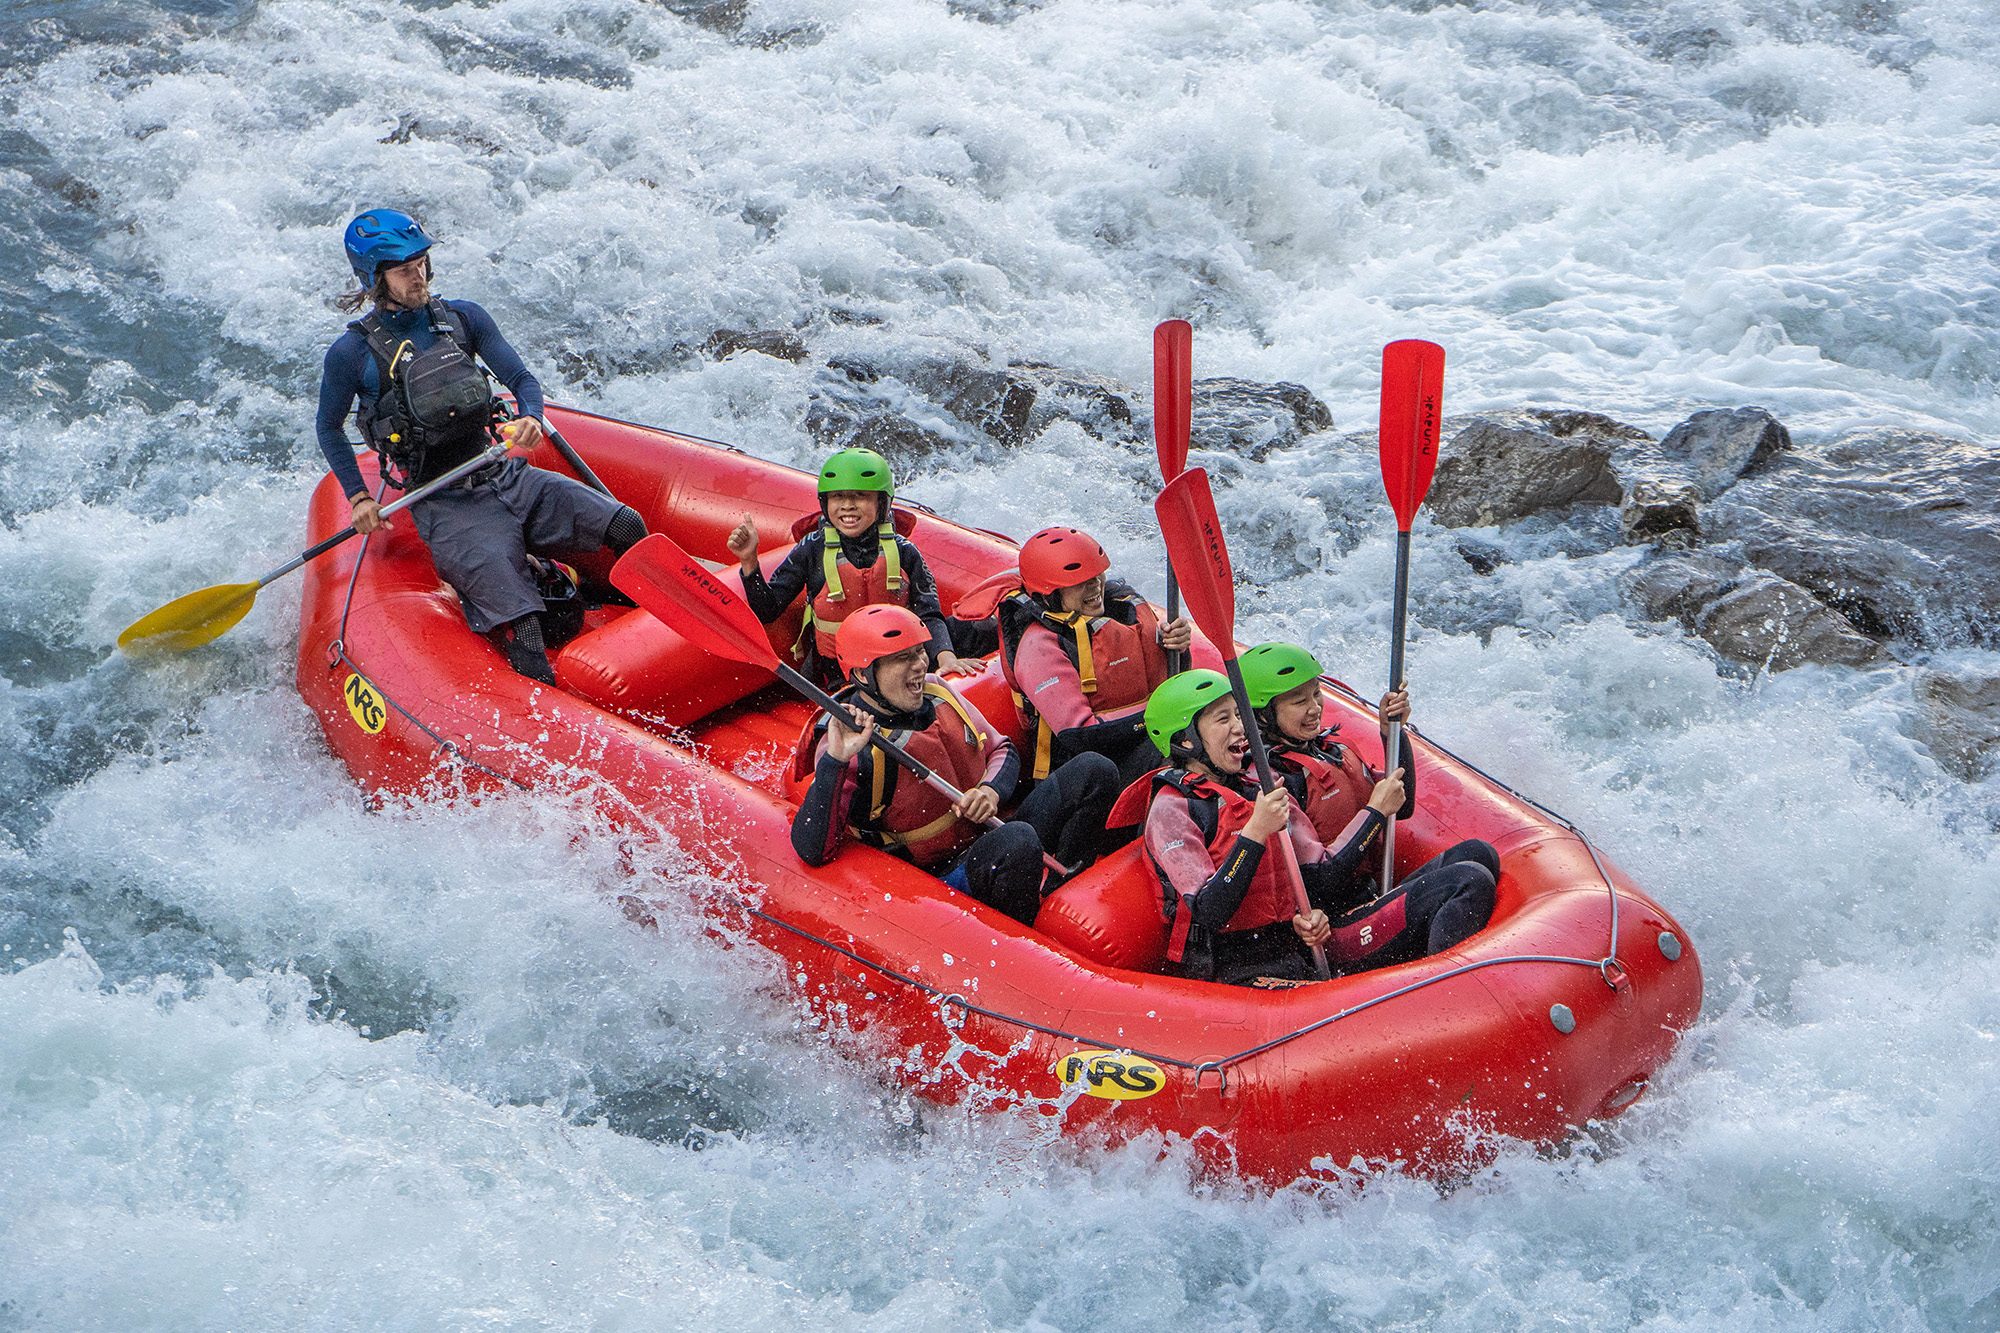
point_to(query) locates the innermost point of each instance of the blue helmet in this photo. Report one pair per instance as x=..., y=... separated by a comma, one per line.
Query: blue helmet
x=383, y=236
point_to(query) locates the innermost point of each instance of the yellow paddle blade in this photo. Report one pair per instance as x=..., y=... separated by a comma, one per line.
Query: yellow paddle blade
x=190, y=621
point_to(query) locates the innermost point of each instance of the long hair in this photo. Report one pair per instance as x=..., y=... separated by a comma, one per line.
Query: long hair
x=376, y=293
x=351, y=301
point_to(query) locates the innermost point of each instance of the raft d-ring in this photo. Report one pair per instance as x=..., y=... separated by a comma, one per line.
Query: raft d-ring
x=1614, y=973
x=334, y=652
x=952, y=1010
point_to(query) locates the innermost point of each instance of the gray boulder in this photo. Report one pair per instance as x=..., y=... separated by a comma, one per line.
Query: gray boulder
x=917, y=406
x=1959, y=720
x=1500, y=468
x=1244, y=417
x=1713, y=449
x=1666, y=483
x=1100, y=405
x=780, y=343
x=1895, y=529
x=1747, y=615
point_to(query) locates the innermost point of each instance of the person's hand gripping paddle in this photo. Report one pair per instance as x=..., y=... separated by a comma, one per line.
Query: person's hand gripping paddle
x=699, y=604
x=1200, y=556
x=208, y=613
x=1173, y=416
x=1412, y=408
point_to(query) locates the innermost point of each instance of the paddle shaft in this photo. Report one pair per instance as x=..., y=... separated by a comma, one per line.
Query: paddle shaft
x=832, y=707
x=1260, y=759
x=1173, y=411
x=491, y=455
x=1392, y=747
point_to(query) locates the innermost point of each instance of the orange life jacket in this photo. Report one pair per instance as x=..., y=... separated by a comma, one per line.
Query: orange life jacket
x=1118, y=663
x=1328, y=780
x=904, y=811
x=1220, y=812
x=845, y=589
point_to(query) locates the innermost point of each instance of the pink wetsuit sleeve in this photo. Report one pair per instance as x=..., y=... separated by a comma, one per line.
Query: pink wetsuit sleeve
x=1175, y=843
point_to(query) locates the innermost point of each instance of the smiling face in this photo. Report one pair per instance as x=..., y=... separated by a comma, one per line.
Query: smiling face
x=853, y=512
x=899, y=678
x=1225, y=747
x=1087, y=596
x=1298, y=712
x=408, y=283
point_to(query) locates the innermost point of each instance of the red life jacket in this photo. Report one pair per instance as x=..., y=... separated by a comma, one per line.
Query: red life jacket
x=1220, y=812
x=844, y=589
x=1335, y=782
x=1118, y=662
x=903, y=810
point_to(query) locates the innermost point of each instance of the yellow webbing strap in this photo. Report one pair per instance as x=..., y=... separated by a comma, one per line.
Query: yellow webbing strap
x=829, y=560
x=884, y=838
x=944, y=693
x=1045, y=742
x=892, y=558
x=829, y=563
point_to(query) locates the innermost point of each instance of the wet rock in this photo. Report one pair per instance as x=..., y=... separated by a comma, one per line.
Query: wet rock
x=1769, y=622
x=917, y=406
x=723, y=16
x=1500, y=468
x=1713, y=449
x=1251, y=419
x=1959, y=720
x=1747, y=615
x=779, y=343
x=1895, y=529
x=1100, y=405
x=1662, y=510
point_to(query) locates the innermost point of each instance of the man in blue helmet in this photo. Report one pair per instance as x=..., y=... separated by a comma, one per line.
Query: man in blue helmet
x=410, y=370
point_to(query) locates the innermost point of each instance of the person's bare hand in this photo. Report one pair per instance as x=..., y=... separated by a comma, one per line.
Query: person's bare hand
x=742, y=543
x=1177, y=634
x=1388, y=795
x=1272, y=812
x=1312, y=928
x=522, y=433
x=843, y=742
x=367, y=516
x=979, y=805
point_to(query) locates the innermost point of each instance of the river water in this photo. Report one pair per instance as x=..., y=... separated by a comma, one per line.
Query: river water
x=269, y=1059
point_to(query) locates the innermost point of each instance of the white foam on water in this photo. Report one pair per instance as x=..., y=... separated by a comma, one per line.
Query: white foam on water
x=415, y=1068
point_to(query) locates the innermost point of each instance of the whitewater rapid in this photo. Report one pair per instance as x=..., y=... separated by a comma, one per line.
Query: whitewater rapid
x=272, y=1058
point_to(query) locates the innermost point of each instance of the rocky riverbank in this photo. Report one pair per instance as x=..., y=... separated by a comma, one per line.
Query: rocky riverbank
x=1878, y=547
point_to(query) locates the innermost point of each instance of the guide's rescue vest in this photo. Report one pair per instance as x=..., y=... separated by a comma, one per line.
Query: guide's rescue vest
x=433, y=407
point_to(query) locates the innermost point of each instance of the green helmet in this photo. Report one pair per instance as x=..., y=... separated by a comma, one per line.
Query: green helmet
x=856, y=470
x=1270, y=669
x=1174, y=706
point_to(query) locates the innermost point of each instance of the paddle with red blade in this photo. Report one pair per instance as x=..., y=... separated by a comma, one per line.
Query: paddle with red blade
x=1173, y=416
x=1412, y=408
x=1201, y=557
x=697, y=603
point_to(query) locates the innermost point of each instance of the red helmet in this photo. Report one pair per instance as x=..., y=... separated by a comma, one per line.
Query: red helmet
x=1060, y=558
x=875, y=632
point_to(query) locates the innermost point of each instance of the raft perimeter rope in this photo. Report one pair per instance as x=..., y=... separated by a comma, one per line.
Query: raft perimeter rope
x=1607, y=966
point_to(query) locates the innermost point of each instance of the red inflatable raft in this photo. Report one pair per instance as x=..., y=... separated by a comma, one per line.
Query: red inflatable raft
x=1557, y=1013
